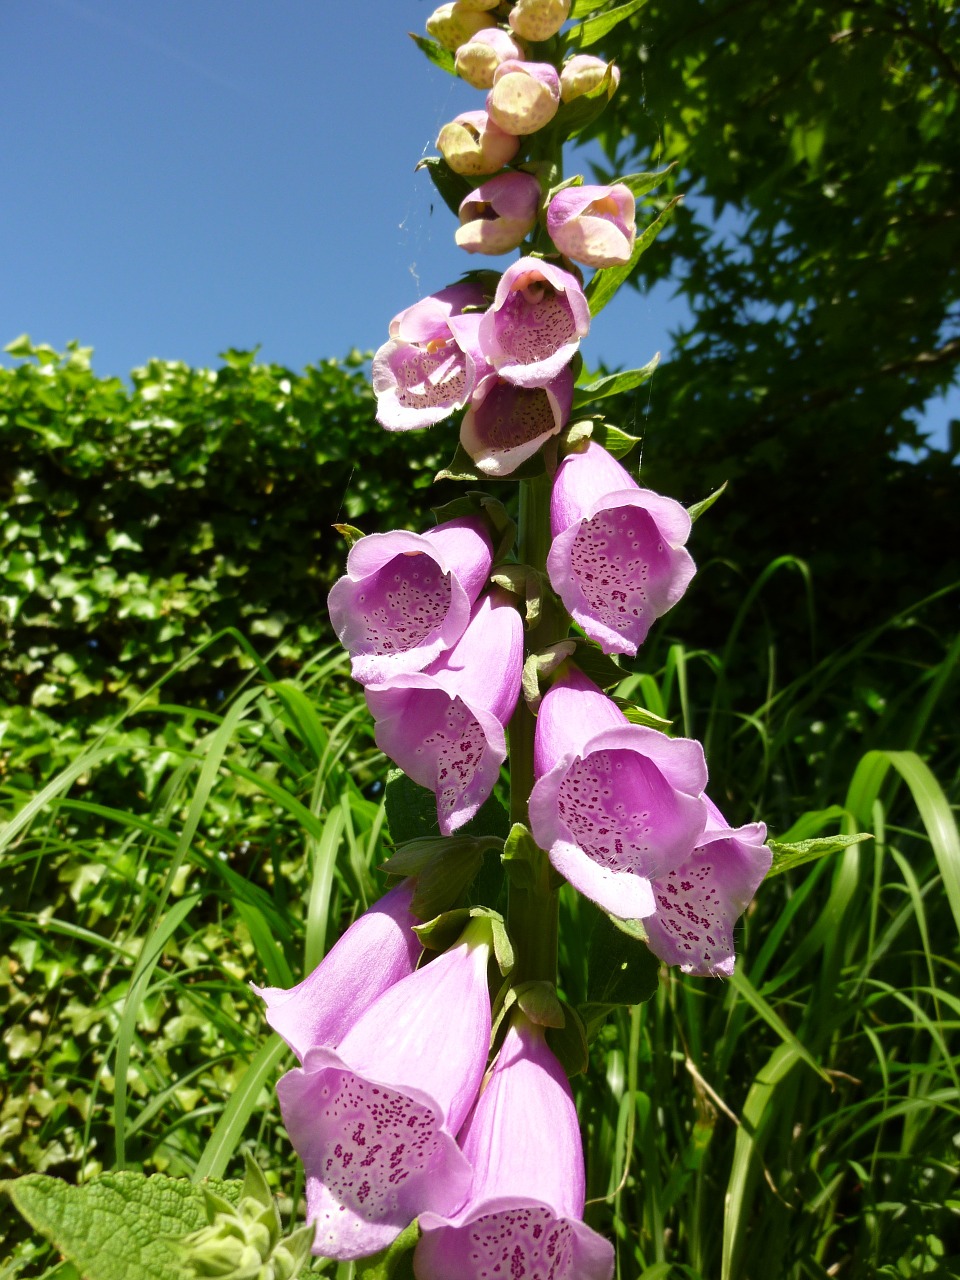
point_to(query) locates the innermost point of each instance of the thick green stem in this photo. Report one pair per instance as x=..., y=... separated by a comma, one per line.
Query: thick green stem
x=533, y=904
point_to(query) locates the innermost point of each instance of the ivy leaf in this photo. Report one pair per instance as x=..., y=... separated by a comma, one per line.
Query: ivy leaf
x=608, y=280
x=118, y=1226
x=788, y=856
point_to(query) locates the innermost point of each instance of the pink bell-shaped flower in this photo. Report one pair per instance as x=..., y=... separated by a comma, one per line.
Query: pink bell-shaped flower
x=506, y=424
x=523, y=1215
x=538, y=19
x=617, y=560
x=594, y=225
x=444, y=726
x=498, y=216
x=473, y=145
x=374, y=1120
x=534, y=325
x=420, y=375
x=406, y=597
x=376, y=951
x=525, y=96
x=615, y=804
x=699, y=902
x=478, y=59
x=584, y=72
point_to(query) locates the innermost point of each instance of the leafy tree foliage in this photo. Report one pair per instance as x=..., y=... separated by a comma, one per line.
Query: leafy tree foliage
x=819, y=249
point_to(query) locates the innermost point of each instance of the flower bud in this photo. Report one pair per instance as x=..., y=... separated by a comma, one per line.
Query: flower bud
x=453, y=24
x=538, y=19
x=525, y=96
x=499, y=215
x=594, y=225
x=473, y=145
x=582, y=73
x=478, y=59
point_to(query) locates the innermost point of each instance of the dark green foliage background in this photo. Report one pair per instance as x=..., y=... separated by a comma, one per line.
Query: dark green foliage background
x=137, y=522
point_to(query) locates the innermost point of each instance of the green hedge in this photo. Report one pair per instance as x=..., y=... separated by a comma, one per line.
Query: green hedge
x=136, y=522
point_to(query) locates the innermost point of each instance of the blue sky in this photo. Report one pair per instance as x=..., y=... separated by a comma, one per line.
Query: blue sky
x=183, y=177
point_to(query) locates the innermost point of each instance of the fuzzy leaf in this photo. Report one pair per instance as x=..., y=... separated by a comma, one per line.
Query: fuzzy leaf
x=393, y=1263
x=118, y=1226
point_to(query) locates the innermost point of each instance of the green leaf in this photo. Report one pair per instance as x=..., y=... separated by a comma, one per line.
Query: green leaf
x=698, y=508
x=393, y=1263
x=621, y=969
x=639, y=184
x=787, y=856
x=569, y=1042
x=118, y=1226
x=608, y=280
x=451, y=186
x=593, y=29
x=615, y=384
x=438, y=55
x=349, y=532
x=445, y=930
x=20, y=347
x=524, y=860
x=445, y=867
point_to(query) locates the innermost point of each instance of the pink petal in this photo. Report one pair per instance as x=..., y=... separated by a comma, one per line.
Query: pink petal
x=699, y=902
x=535, y=323
x=376, y=951
x=506, y=424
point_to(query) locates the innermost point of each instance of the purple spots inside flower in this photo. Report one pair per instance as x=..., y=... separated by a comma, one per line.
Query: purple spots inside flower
x=614, y=557
x=511, y=416
x=430, y=376
x=691, y=915
x=535, y=322
x=522, y=1244
x=404, y=603
x=610, y=803
x=374, y=1139
x=457, y=745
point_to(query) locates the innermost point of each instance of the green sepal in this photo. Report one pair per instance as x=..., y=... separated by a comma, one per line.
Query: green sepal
x=614, y=384
x=602, y=668
x=539, y=1002
x=608, y=280
x=445, y=867
x=393, y=1263
x=350, y=533
x=698, y=508
x=525, y=862
x=575, y=181
x=541, y=664
x=525, y=582
x=438, y=55
x=640, y=184
x=569, y=1042
x=445, y=930
x=575, y=115
x=593, y=29
x=574, y=437
x=476, y=503
x=452, y=187
x=786, y=856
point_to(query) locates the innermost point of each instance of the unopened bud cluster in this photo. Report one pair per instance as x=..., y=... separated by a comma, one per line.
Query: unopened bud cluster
x=388, y=1108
